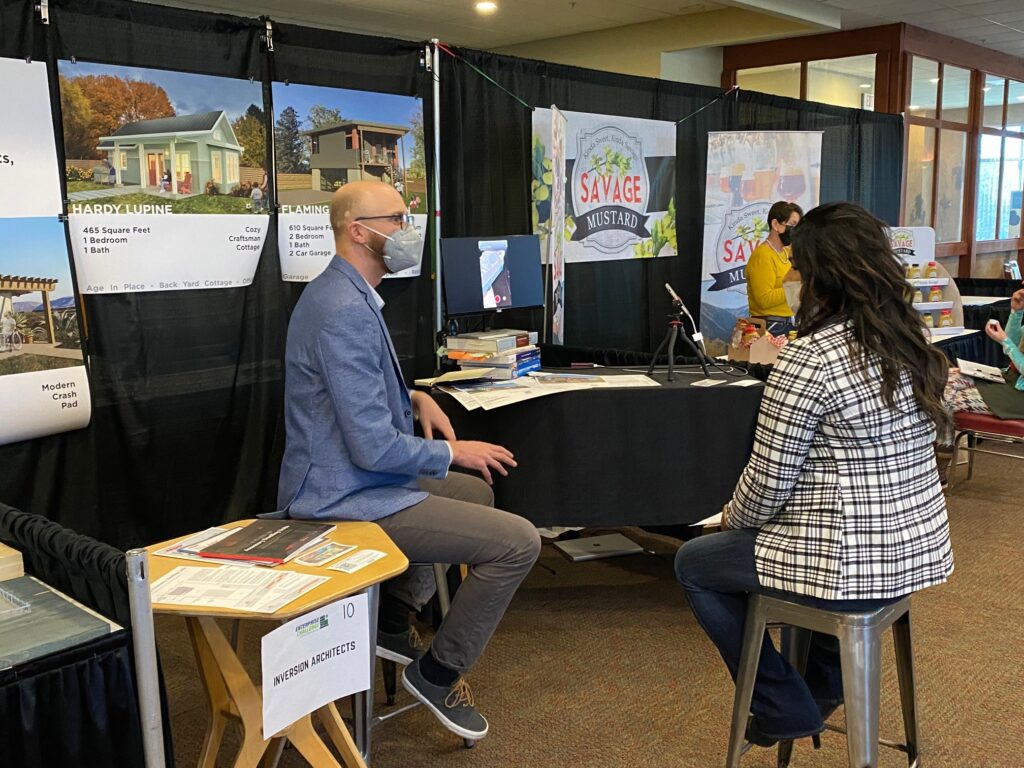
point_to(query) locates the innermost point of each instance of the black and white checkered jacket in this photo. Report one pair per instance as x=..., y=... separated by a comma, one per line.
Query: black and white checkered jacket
x=844, y=489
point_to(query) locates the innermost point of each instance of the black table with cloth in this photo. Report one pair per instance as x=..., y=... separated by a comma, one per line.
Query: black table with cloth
x=76, y=707
x=602, y=457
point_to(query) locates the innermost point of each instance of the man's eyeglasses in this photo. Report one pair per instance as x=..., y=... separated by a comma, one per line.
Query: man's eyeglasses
x=402, y=220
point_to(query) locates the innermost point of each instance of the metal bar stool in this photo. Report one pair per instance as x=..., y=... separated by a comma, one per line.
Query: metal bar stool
x=860, y=650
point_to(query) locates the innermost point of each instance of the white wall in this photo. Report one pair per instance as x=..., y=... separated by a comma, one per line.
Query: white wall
x=700, y=66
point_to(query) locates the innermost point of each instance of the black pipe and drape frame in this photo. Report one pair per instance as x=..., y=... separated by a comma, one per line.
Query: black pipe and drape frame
x=187, y=386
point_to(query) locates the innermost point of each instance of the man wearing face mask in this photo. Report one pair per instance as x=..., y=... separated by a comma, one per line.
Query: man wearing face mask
x=768, y=268
x=350, y=454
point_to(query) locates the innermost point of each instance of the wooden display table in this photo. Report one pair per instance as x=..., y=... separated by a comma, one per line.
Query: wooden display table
x=231, y=691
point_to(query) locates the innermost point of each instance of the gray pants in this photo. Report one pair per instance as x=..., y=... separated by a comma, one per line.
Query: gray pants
x=457, y=523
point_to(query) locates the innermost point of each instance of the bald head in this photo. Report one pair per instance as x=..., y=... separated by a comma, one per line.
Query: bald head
x=362, y=198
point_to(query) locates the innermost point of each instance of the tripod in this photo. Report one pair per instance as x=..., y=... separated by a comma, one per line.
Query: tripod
x=675, y=323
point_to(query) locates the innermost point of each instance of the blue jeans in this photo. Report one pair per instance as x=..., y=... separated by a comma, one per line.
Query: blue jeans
x=717, y=572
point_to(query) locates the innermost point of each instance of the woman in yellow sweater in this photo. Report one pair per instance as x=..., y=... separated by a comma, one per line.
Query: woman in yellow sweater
x=768, y=265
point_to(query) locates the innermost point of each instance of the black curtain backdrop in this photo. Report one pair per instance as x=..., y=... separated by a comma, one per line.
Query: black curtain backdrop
x=188, y=386
x=485, y=181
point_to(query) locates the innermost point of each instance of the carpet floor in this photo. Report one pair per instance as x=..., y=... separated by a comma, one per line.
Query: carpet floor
x=602, y=665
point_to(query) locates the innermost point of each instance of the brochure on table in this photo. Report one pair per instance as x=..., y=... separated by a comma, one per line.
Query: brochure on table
x=44, y=388
x=167, y=188
x=325, y=138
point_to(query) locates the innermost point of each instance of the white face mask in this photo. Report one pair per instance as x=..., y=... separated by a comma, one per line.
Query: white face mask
x=401, y=251
x=792, y=291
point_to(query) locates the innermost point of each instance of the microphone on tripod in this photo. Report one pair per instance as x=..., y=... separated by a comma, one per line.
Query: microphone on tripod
x=697, y=336
x=675, y=324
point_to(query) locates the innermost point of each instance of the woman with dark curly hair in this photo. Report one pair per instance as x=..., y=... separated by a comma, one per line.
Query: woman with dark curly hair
x=840, y=505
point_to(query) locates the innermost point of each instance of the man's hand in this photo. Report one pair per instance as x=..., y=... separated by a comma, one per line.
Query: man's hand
x=482, y=457
x=995, y=330
x=431, y=417
x=1017, y=300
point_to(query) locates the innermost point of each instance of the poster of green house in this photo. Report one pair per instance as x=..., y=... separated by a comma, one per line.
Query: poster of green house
x=154, y=141
x=166, y=176
x=199, y=148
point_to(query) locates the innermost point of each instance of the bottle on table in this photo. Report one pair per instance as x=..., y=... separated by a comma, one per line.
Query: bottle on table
x=914, y=271
x=946, y=318
x=931, y=269
x=929, y=321
x=918, y=296
x=935, y=293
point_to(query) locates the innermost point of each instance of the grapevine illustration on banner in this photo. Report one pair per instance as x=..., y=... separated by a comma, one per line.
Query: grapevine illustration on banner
x=747, y=172
x=327, y=137
x=167, y=188
x=620, y=196
x=43, y=383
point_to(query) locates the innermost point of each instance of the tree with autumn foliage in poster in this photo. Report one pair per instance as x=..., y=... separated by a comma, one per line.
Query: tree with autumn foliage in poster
x=109, y=102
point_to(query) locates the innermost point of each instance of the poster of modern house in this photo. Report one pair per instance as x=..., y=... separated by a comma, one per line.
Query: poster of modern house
x=38, y=319
x=325, y=138
x=137, y=138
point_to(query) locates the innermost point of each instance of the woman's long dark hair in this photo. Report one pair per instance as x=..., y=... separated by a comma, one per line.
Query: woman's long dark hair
x=850, y=273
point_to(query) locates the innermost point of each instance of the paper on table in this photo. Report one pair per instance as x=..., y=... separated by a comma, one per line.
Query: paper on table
x=229, y=586
x=744, y=383
x=713, y=520
x=324, y=553
x=979, y=371
x=706, y=382
x=190, y=547
x=460, y=375
x=627, y=380
x=358, y=561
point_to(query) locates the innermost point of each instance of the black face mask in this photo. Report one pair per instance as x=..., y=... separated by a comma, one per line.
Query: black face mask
x=786, y=236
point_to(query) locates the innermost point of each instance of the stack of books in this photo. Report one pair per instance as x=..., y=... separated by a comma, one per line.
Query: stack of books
x=508, y=353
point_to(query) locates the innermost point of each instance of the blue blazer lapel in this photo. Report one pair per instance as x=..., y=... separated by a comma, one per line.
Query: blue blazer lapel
x=357, y=280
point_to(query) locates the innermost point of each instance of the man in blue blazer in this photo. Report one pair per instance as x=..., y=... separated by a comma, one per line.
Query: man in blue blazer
x=350, y=454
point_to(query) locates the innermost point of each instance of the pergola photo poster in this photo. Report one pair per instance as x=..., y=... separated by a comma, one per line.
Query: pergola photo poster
x=325, y=138
x=43, y=383
x=167, y=185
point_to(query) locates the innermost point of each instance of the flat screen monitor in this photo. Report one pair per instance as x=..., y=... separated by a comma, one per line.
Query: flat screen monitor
x=486, y=274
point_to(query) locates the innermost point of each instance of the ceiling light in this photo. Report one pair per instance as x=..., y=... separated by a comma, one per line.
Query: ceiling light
x=865, y=85
x=486, y=6
x=913, y=107
x=985, y=90
x=933, y=80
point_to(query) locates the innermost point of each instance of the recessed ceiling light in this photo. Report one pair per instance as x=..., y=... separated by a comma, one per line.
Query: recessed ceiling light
x=865, y=85
x=486, y=6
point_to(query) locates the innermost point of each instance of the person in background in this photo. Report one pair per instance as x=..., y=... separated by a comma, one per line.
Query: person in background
x=769, y=264
x=962, y=394
x=839, y=506
x=350, y=454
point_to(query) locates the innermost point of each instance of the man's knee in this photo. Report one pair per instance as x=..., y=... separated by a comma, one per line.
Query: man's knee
x=524, y=541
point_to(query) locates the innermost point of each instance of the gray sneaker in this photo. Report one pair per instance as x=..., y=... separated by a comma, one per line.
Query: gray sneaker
x=454, y=706
x=403, y=648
